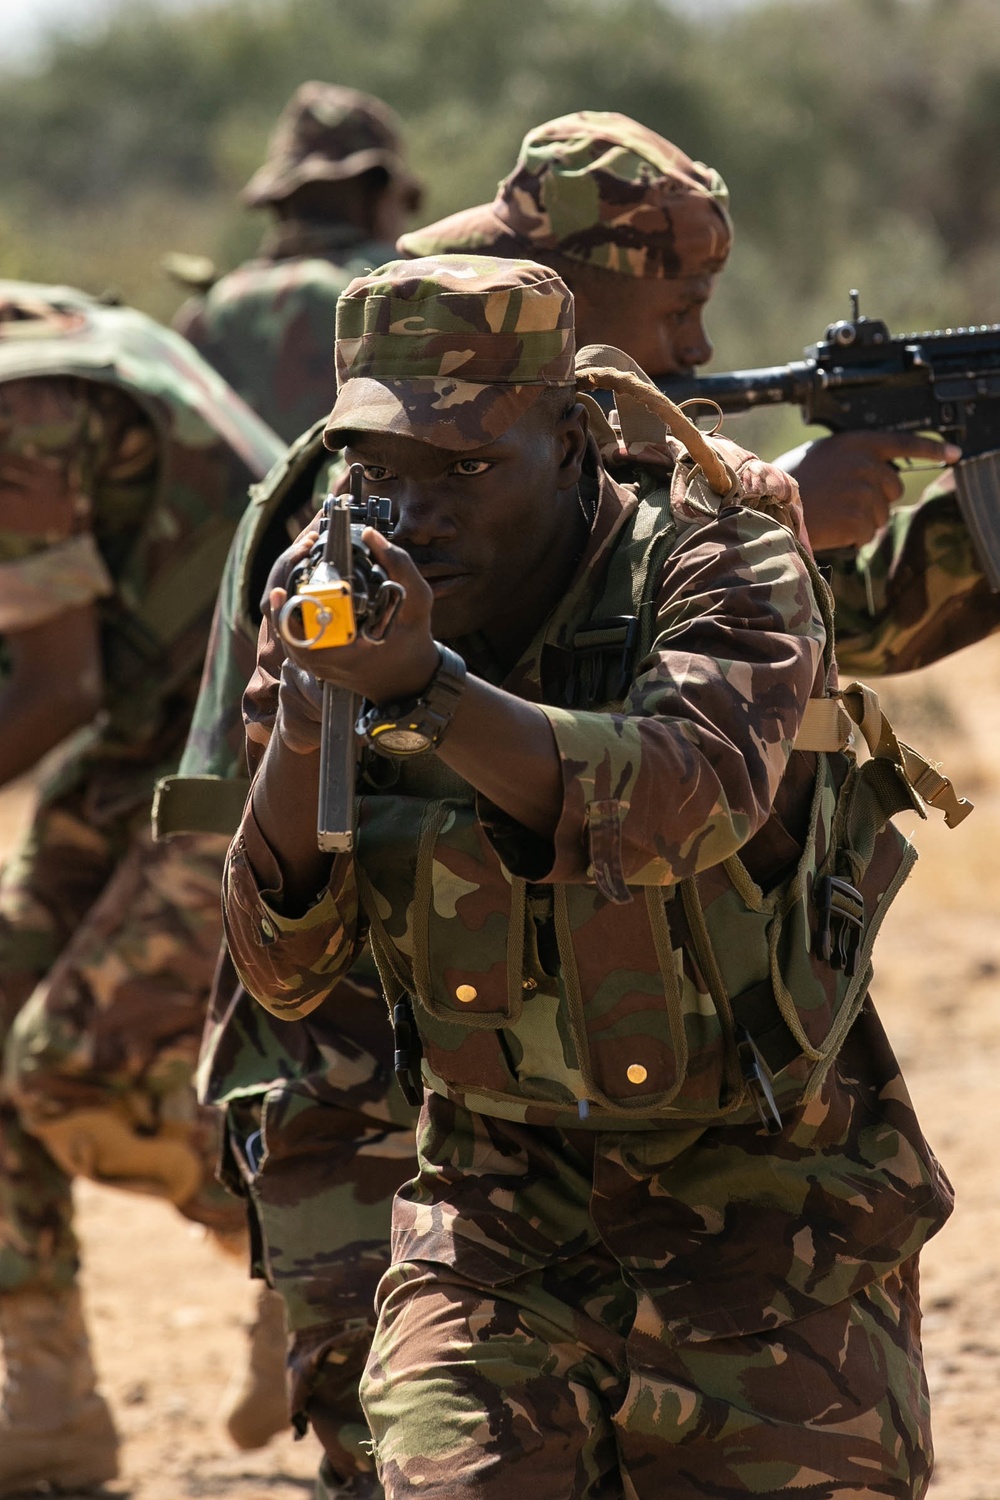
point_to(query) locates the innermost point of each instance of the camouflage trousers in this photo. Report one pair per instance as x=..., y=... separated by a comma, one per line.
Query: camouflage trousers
x=107, y=948
x=526, y=1357
x=319, y=1156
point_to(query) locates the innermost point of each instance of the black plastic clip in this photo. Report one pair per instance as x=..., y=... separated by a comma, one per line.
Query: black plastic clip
x=406, y=1059
x=602, y=661
x=841, y=910
x=757, y=1080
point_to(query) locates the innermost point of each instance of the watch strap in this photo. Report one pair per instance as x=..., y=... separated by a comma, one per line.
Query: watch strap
x=429, y=714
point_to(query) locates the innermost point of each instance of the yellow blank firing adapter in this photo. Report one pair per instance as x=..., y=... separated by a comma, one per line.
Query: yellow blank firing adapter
x=326, y=605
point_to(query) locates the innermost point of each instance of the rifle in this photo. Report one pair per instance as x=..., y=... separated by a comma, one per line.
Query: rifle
x=337, y=590
x=858, y=378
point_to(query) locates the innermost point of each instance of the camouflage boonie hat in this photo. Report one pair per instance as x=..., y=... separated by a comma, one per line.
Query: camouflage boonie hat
x=326, y=133
x=451, y=350
x=601, y=189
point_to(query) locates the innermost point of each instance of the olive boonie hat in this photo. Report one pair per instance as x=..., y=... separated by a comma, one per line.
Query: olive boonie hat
x=602, y=189
x=452, y=349
x=326, y=133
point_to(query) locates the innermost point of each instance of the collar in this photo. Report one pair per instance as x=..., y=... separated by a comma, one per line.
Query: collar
x=291, y=238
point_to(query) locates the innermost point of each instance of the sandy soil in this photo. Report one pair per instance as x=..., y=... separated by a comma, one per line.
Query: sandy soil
x=168, y=1313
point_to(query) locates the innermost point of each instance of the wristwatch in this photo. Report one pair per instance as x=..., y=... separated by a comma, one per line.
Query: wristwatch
x=418, y=724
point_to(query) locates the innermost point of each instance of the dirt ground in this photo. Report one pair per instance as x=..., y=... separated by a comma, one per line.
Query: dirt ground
x=168, y=1312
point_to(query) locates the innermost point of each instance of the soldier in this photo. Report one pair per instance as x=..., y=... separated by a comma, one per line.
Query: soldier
x=339, y=193
x=614, y=208
x=595, y=195
x=671, y=1189
x=124, y=463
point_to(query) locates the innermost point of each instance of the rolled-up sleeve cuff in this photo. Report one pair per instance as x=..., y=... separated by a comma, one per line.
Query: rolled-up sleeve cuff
x=287, y=963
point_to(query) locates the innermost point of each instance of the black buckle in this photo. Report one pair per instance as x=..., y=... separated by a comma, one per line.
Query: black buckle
x=841, y=910
x=755, y=1076
x=602, y=661
x=406, y=1059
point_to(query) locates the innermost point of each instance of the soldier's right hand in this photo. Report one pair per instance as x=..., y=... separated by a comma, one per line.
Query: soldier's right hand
x=849, y=481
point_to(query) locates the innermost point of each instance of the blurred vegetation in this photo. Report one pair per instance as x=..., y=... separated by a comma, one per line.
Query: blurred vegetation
x=858, y=137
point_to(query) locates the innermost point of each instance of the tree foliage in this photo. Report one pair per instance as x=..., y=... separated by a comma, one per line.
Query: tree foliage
x=856, y=136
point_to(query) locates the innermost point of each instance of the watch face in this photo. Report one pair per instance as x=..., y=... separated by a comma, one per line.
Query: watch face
x=399, y=739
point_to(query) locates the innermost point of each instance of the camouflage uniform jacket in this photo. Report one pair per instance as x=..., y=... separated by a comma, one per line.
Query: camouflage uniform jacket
x=163, y=542
x=914, y=594
x=268, y=327
x=691, y=771
x=343, y=1056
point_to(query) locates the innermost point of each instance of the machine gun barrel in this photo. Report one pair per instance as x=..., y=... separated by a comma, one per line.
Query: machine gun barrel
x=743, y=390
x=859, y=378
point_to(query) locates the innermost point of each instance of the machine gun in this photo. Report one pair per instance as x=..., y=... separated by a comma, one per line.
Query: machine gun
x=337, y=590
x=859, y=378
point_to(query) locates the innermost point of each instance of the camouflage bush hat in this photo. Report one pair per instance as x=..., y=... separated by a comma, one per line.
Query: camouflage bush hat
x=451, y=349
x=601, y=189
x=326, y=133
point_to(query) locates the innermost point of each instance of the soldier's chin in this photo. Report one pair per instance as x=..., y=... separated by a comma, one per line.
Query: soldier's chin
x=454, y=614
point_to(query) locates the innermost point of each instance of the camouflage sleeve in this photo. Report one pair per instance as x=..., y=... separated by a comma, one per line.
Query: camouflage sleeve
x=915, y=593
x=288, y=963
x=688, y=772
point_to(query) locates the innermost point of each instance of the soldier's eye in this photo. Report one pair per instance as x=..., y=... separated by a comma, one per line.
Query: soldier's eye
x=377, y=473
x=470, y=467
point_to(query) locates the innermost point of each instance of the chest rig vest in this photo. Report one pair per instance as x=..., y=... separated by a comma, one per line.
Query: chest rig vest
x=585, y=1005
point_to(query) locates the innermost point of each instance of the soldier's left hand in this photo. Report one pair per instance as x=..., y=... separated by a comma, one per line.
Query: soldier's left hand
x=387, y=671
x=848, y=482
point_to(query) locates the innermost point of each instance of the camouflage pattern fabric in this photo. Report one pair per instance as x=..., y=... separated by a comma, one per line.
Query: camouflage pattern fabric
x=593, y=1263
x=600, y=189
x=914, y=594
x=268, y=327
x=123, y=947
x=319, y=1139
x=452, y=349
x=327, y=133
x=154, y=453
x=277, y=512
x=330, y=1135
x=480, y=1360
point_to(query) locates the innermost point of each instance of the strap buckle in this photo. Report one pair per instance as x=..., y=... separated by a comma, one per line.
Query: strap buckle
x=406, y=1058
x=841, y=910
x=755, y=1076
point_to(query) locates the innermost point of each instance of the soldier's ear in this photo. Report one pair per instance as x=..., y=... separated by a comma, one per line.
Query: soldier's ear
x=571, y=435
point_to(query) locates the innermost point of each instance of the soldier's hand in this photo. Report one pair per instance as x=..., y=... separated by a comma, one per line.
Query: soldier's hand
x=388, y=671
x=300, y=708
x=848, y=482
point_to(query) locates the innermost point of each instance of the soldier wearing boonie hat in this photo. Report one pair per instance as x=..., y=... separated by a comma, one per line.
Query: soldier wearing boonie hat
x=594, y=193
x=603, y=191
x=339, y=192
x=636, y=228
x=327, y=133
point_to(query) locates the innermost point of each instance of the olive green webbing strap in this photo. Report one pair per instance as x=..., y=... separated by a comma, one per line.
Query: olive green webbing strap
x=634, y=569
x=198, y=804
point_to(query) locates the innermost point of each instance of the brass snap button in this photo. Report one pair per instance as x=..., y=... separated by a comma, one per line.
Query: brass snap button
x=637, y=1073
x=466, y=993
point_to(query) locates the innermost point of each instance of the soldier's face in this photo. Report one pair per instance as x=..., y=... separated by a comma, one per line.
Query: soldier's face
x=496, y=531
x=660, y=323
